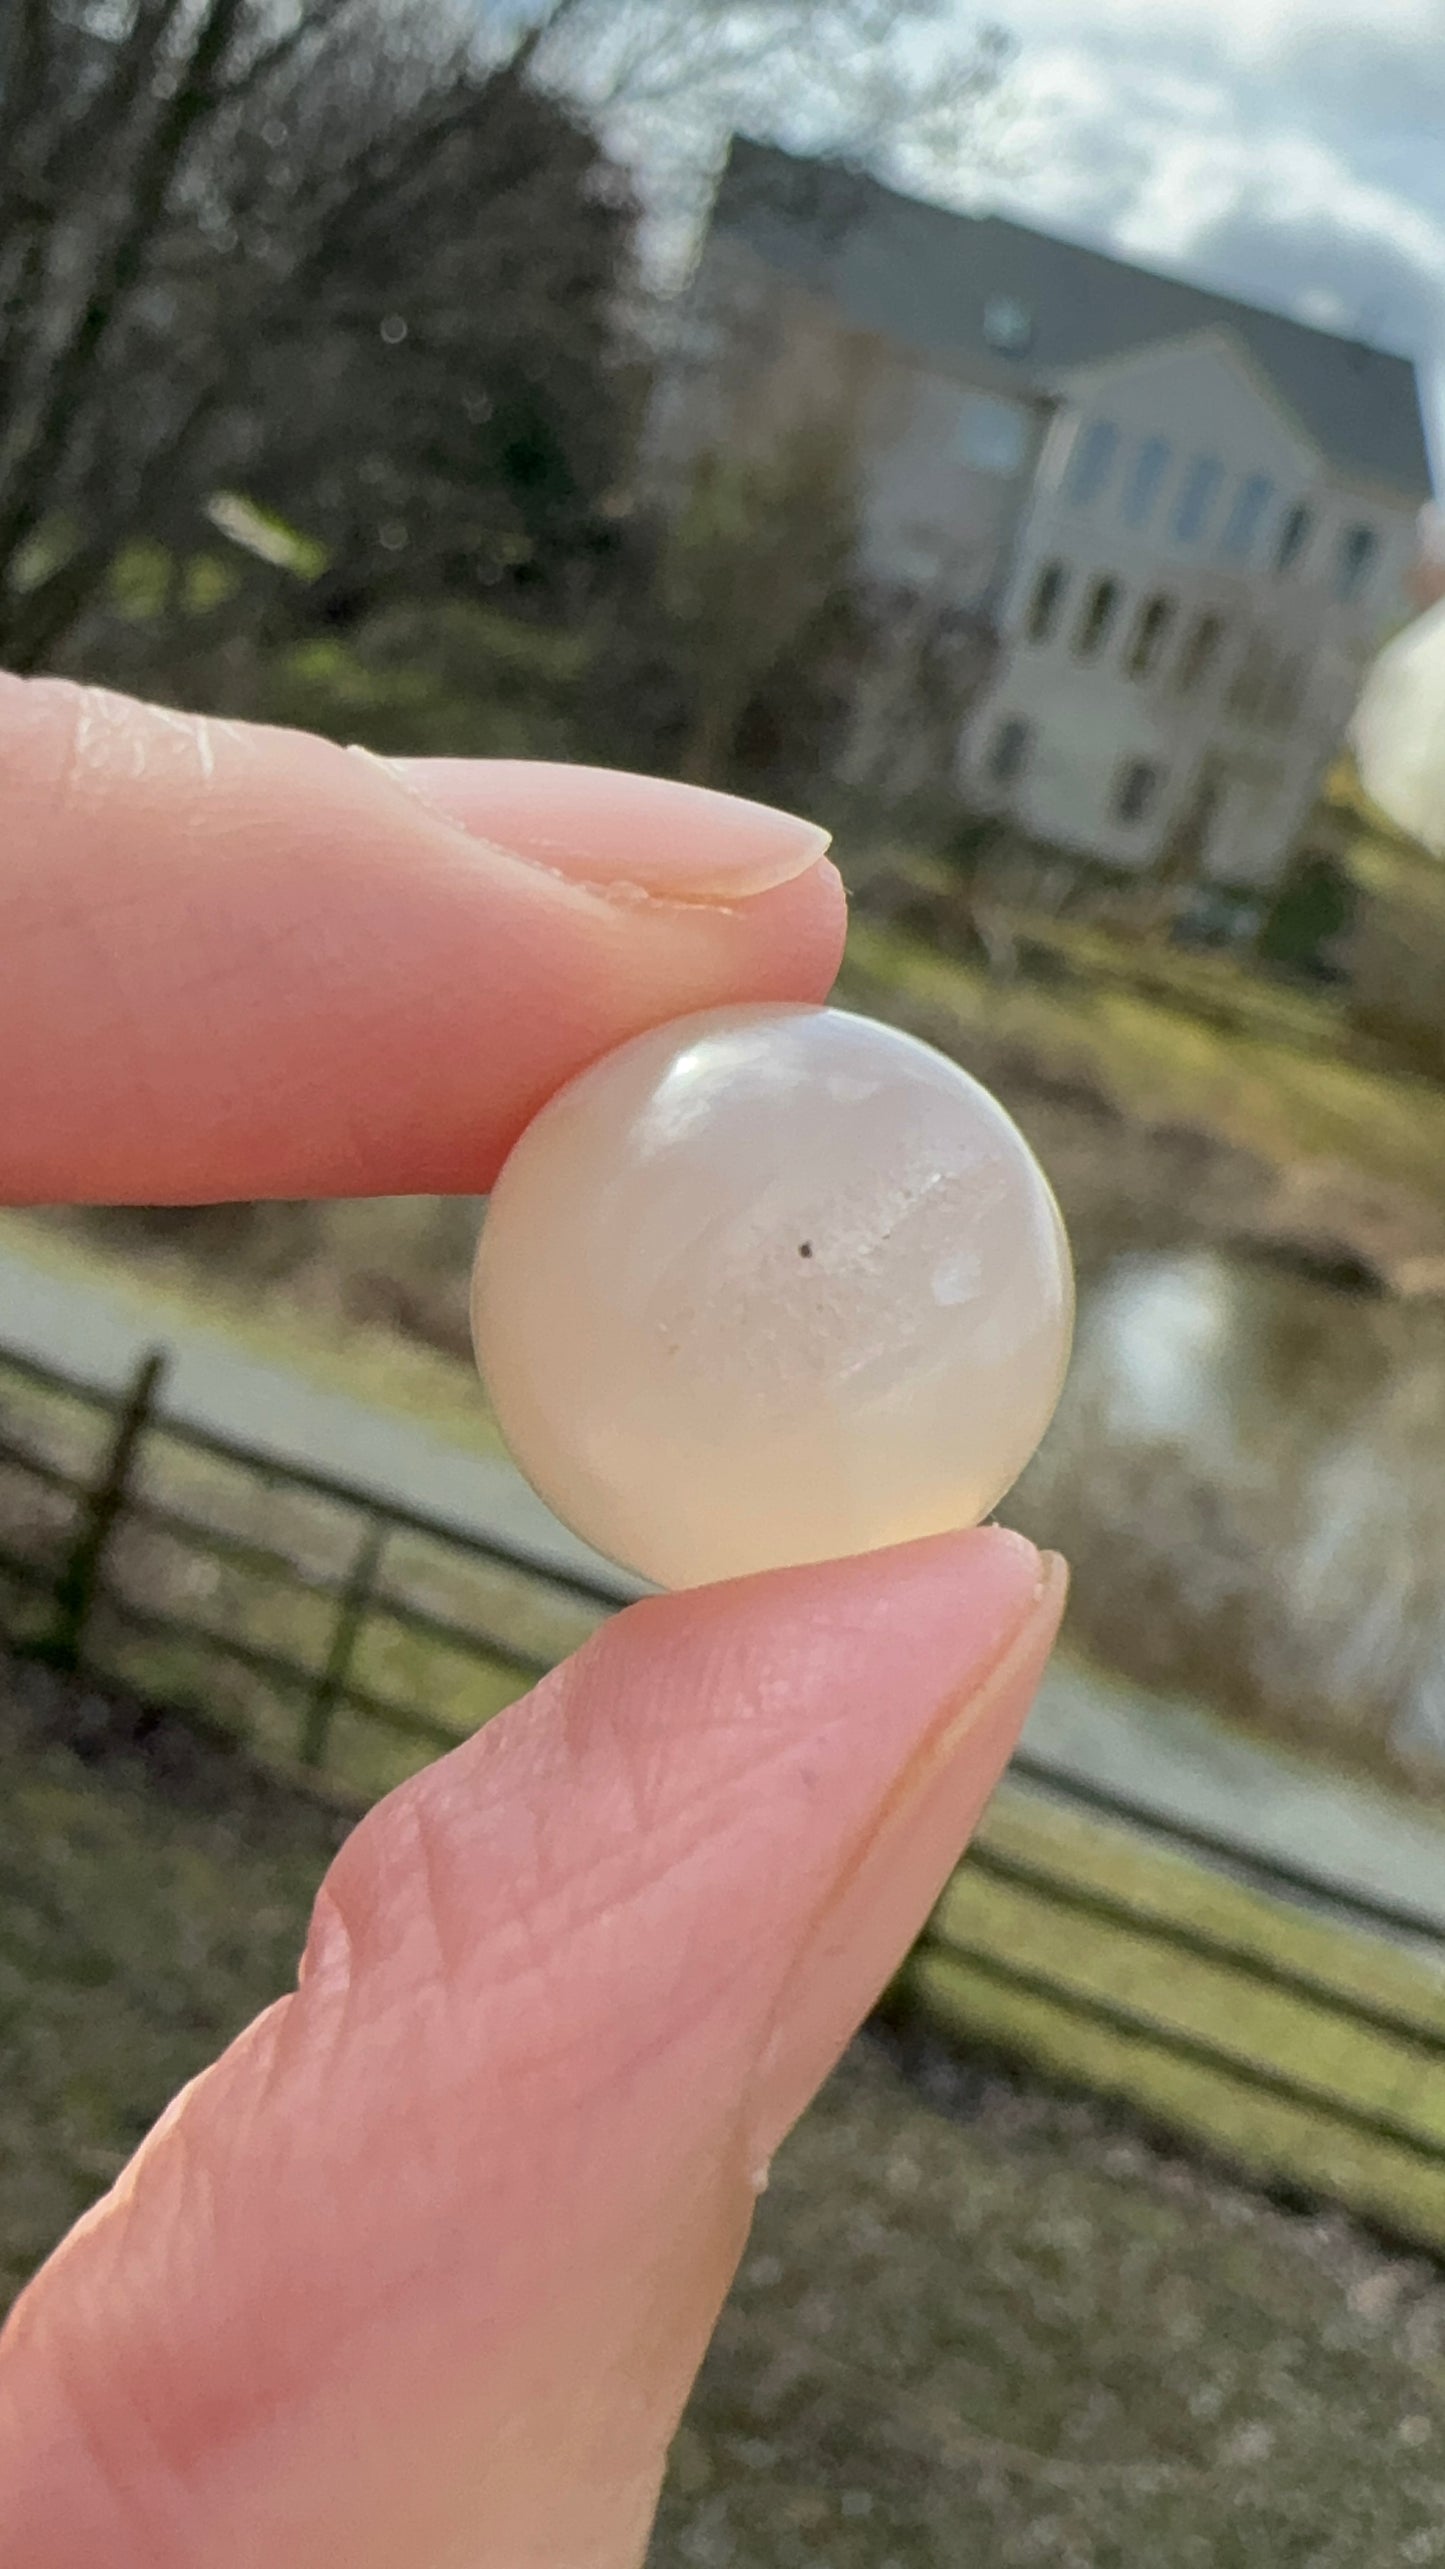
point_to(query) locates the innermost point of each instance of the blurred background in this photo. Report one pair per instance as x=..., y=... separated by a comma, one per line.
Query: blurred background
x=1013, y=445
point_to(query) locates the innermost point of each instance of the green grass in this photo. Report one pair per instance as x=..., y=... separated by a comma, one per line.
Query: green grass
x=1159, y=1061
x=1223, y=989
x=1141, y=1967
x=140, y=1927
x=1019, y=2340
x=280, y=1596
x=265, y=1319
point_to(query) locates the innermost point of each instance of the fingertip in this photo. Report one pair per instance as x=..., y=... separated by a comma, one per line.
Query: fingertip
x=611, y=828
x=351, y=995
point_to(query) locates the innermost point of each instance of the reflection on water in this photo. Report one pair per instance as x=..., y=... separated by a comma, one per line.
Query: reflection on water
x=1246, y=1472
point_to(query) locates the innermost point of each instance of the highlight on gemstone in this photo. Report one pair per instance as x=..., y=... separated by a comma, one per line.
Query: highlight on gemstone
x=771, y=1284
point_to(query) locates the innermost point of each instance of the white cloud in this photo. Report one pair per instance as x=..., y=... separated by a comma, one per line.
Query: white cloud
x=1285, y=178
x=1249, y=30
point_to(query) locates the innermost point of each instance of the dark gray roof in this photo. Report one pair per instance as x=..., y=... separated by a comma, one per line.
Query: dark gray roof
x=925, y=275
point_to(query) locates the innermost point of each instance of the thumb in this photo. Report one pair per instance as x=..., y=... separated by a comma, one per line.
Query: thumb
x=418, y=2275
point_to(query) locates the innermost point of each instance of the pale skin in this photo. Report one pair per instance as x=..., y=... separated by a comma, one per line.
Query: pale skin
x=418, y=2275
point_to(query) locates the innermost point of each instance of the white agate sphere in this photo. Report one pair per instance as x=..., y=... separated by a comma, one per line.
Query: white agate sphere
x=767, y=1285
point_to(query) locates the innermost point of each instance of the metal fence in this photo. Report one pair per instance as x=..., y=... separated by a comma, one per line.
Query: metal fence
x=152, y=1553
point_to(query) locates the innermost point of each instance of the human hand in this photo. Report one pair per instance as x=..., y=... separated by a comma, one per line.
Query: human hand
x=418, y=2275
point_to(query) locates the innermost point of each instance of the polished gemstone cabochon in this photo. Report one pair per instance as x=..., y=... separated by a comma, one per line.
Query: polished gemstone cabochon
x=769, y=1285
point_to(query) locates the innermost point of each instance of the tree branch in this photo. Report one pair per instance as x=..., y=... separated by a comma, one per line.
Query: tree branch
x=22, y=77
x=100, y=130
x=314, y=21
x=119, y=270
x=113, y=105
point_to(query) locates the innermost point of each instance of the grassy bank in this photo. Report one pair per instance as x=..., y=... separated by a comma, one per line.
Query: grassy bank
x=1057, y=1925
x=1195, y=1961
x=1007, y=2334
x=308, y=1318
x=974, y=2323
x=149, y=1905
x=1217, y=1051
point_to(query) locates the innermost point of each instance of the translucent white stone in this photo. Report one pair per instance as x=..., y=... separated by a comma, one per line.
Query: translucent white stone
x=769, y=1285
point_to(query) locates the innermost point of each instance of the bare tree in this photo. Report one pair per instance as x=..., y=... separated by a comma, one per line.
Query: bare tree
x=100, y=113
x=319, y=250
x=756, y=579
x=900, y=84
x=335, y=252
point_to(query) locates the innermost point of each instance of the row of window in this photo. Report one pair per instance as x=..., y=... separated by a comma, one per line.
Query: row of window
x=1137, y=781
x=1102, y=461
x=1265, y=688
x=1153, y=629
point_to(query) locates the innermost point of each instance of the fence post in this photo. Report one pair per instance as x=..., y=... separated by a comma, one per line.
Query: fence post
x=351, y=1614
x=78, y=1585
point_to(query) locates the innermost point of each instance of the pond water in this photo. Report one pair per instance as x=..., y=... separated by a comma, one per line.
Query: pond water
x=1246, y=1473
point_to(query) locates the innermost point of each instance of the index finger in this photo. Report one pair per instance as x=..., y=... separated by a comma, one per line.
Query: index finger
x=241, y=962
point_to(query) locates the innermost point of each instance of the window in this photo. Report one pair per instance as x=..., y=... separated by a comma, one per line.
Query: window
x=1200, y=652
x=1202, y=485
x=993, y=435
x=1145, y=480
x=1359, y=552
x=1136, y=790
x=1050, y=590
x=1283, y=697
x=1092, y=463
x=1253, y=682
x=1097, y=621
x=1007, y=323
x=1246, y=517
x=1149, y=637
x=1294, y=537
x=1009, y=751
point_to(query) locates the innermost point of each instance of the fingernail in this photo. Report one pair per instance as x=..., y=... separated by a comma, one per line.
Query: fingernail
x=602, y=826
x=889, y=1888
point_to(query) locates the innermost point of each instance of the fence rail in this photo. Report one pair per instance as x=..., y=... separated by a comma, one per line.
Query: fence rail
x=111, y=1497
x=1145, y=2025
x=153, y=1503
x=1271, y=1873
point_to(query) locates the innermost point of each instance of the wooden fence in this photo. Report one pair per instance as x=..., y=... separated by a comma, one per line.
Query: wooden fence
x=85, y=1596
x=1290, y=2028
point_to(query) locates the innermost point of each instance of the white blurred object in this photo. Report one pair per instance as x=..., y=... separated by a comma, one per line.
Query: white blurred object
x=1398, y=733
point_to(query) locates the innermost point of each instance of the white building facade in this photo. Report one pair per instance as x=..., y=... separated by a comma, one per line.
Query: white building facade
x=1193, y=600
x=1187, y=523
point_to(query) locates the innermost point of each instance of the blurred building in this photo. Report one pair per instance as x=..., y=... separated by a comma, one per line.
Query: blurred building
x=1166, y=530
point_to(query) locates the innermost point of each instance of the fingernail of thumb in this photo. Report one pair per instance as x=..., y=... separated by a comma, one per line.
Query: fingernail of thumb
x=602, y=826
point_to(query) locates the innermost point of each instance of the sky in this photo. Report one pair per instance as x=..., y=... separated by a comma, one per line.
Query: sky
x=1289, y=151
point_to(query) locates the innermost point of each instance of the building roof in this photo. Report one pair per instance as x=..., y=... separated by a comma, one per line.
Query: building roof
x=927, y=277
